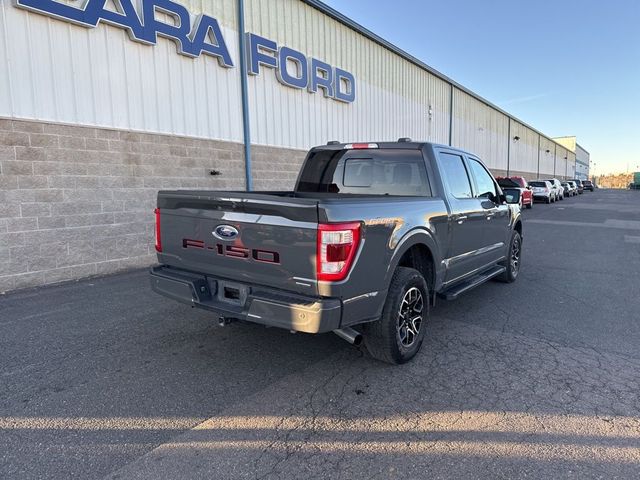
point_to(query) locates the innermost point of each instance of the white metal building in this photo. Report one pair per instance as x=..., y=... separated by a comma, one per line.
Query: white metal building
x=582, y=157
x=103, y=103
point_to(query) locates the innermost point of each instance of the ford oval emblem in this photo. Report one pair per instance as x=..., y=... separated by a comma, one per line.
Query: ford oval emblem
x=225, y=232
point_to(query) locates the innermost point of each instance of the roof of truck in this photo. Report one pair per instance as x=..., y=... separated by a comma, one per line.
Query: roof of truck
x=402, y=143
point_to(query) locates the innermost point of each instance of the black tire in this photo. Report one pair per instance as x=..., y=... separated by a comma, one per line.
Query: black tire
x=514, y=256
x=383, y=338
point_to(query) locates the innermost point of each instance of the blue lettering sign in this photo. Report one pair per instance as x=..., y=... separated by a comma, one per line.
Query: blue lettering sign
x=178, y=32
x=208, y=39
x=321, y=76
x=205, y=38
x=312, y=74
x=292, y=68
x=296, y=81
x=256, y=46
x=126, y=17
x=345, y=80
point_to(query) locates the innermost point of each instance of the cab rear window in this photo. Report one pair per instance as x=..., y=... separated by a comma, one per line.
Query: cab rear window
x=365, y=172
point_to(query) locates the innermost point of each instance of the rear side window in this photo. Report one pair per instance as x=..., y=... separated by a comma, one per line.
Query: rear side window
x=366, y=172
x=484, y=180
x=455, y=174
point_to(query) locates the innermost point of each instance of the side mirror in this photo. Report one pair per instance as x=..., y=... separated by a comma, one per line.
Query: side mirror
x=512, y=195
x=493, y=198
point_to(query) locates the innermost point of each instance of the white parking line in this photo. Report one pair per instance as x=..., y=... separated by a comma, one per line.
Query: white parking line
x=630, y=239
x=620, y=224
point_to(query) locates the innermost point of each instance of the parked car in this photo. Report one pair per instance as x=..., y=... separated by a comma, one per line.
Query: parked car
x=558, y=190
x=569, y=189
x=587, y=185
x=542, y=190
x=579, y=185
x=526, y=195
x=573, y=188
x=368, y=238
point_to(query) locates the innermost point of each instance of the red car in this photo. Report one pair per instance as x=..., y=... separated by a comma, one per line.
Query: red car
x=526, y=196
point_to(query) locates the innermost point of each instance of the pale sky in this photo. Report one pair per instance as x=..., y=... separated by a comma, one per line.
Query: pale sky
x=566, y=67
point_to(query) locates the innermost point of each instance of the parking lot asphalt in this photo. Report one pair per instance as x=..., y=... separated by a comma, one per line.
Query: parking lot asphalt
x=536, y=379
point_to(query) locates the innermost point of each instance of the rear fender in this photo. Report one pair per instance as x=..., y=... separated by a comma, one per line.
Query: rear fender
x=412, y=238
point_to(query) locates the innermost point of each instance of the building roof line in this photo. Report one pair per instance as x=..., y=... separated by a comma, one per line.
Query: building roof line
x=578, y=145
x=336, y=15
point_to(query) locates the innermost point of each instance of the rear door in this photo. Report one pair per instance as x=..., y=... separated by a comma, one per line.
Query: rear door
x=497, y=214
x=466, y=219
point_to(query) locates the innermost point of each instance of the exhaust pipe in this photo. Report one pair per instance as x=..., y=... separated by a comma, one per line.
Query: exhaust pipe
x=350, y=335
x=223, y=321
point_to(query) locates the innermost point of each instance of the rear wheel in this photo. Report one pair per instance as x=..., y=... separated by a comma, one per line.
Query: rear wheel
x=512, y=262
x=399, y=333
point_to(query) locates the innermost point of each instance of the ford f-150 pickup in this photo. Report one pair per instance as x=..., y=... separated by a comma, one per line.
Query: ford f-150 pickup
x=369, y=237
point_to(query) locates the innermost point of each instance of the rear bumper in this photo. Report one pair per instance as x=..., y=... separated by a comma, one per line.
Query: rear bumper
x=255, y=304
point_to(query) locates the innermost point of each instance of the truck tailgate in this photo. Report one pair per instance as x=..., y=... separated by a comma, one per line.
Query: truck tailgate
x=272, y=239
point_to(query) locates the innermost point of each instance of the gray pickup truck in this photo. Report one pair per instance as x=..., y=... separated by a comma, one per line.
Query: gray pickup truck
x=371, y=235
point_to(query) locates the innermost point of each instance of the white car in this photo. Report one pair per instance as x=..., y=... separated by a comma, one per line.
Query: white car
x=557, y=188
x=542, y=190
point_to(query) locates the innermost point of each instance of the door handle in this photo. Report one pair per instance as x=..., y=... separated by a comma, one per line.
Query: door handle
x=461, y=219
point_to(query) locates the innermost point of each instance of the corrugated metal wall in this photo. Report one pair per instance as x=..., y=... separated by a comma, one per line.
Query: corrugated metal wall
x=547, y=157
x=480, y=129
x=571, y=165
x=100, y=77
x=560, y=168
x=51, y=70
x=524, y=150
x=394, y=97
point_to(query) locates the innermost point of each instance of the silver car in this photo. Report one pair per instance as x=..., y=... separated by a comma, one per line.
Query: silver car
x=572, y=189
x=542, y=191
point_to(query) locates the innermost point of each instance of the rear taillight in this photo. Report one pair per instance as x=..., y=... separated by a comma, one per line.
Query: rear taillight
x=158, y=237
x=337, y=248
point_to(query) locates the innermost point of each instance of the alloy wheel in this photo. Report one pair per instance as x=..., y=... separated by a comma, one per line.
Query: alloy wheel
x=410, y=317
x=514, y=261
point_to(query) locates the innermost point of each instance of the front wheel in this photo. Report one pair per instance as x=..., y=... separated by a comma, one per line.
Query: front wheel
x=398, y=335
x=512, y=262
